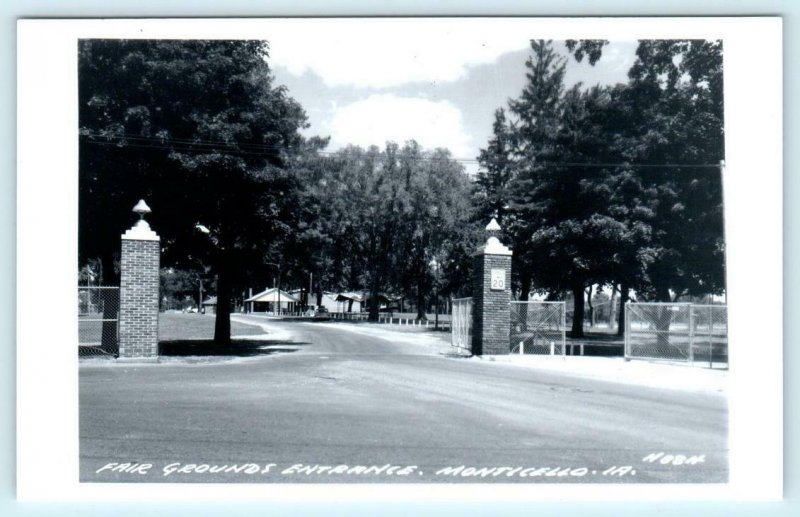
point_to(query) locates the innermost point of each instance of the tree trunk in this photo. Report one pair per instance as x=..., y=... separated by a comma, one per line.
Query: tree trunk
x=612, y=307
x=624, y=296
x=663, y=323
x=591, y=306
x=577, y=314
x=524, y=294
x=349, y=305
x=421, y=306
x=374, y=303
x=524, y=286
x=222, y=322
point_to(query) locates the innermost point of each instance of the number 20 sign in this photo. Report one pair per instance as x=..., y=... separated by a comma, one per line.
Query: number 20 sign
x=498, y=280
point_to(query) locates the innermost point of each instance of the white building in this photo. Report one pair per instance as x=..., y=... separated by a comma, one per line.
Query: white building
x=272, y=300
x=335, y=302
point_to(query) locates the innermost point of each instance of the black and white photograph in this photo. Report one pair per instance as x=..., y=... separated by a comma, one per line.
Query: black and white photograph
x=401, y=252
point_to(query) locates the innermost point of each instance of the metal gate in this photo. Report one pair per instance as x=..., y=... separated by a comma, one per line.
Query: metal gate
x=461, y=323
x=538, y=328
x=98, y=320
x=681, y=332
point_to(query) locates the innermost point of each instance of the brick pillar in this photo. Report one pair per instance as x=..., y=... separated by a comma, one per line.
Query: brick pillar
x=138, y=311
x=491, y=296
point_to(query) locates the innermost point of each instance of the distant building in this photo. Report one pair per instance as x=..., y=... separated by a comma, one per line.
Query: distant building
x=387, y=302
x=335, y=302
x=210, y=305
x=349, y=302
x=272, y=300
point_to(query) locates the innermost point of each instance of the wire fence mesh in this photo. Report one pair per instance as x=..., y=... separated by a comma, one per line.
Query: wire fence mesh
x=98, y=321
x=683, y=332
x=710, y=335
x=600, y=315
x=538, y=328
x=461, y=321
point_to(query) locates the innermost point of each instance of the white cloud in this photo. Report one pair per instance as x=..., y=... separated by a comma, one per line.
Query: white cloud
x=380, y=118
x=385, y=53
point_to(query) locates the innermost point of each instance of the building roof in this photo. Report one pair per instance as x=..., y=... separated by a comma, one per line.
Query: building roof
x=343, y=297
x=212, y=300
x=272, y=295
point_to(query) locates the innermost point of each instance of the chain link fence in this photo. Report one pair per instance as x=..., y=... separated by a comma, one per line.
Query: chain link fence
x=461, y=321
x=98, y=321
x=538, y=328
x=683, y=332
x=710, y=335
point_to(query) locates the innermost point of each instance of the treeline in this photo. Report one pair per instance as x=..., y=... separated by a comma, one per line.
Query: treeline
x=599, y=186
x=240, y=197
x=388, y=222
x=614, y=186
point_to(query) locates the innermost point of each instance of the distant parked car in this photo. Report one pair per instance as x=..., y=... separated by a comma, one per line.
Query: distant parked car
x=321, y=312
x=192, y=310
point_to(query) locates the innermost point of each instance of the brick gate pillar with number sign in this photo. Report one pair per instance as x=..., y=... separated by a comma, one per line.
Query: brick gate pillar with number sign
x=491, y=296
x=138, y=311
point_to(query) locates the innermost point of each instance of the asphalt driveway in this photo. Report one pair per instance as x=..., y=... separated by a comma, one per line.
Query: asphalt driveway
x=344, y=404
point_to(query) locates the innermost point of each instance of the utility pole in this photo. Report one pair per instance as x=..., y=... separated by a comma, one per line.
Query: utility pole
x=435, y=264
x=279, y=289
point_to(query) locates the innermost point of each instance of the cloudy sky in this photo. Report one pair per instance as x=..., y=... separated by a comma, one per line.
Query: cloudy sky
x=371, y=85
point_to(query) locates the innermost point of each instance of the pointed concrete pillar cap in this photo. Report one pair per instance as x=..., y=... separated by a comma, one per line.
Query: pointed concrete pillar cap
x=493, y=245
x=141, y=230
x=141, y=208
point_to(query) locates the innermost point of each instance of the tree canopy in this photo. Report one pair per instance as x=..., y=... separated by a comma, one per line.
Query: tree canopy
x=375, y=219
x=603, y=185
x=614, y=185
x=199, y=130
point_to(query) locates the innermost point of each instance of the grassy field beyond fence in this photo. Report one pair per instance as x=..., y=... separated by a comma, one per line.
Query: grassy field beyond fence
x=178, y=326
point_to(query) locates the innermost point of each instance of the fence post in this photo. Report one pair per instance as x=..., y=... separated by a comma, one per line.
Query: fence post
x=627, y=331
x=563, y=326
x=691, y=334
x=710, y=337
x=138, y=293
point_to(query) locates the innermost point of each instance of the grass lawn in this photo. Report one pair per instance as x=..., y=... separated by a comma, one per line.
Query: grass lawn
x=179, y=326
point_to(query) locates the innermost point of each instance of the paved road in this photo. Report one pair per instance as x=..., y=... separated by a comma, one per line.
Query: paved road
x=346, y=401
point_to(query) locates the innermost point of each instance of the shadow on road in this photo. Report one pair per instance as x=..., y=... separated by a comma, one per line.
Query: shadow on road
x=237, y=348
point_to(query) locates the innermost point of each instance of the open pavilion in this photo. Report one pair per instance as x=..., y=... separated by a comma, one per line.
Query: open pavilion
x=272, y=300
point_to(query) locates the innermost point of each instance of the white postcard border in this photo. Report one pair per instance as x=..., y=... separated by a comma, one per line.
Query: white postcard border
x=47, y=160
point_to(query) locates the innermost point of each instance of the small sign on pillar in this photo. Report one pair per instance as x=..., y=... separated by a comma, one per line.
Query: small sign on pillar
x=498, y=280
x=491, y=296
x=139, y=285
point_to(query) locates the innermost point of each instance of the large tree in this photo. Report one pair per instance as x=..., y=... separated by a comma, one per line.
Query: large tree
x=374, y=220
x=536, y=120
x=564, y=203
x=612, y=185
x=493, y=182
x=677, y=128
x=437, y=189
x=199, y=129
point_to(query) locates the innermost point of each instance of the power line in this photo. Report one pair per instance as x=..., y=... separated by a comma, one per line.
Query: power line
x=636, y=165
x=213, y=146
x=254, y=149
